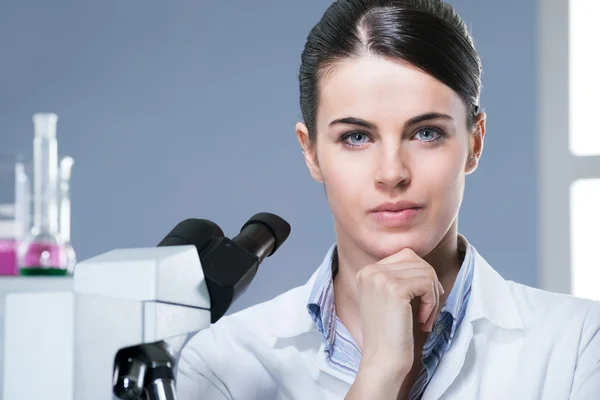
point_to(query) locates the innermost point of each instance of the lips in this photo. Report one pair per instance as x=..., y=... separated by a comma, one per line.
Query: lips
x=396, y=206
x=396, y=214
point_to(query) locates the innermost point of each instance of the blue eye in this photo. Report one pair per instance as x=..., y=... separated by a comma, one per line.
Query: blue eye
x=355, y=138
x=428, y=135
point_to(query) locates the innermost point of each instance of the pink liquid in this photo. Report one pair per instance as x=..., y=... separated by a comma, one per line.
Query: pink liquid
x=42, y=255
x=8, y=257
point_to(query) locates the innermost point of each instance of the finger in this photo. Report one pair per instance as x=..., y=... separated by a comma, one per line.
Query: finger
x=401, y=266
x=428, y=325
x=427, y=311
x=412, y=280
x=426, y=290
x=405, y=273
x=416, y=271
x=405, y=254
x=372, y=274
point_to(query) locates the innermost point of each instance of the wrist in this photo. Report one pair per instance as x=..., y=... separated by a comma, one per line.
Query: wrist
x=384, y=367
x=378, y=381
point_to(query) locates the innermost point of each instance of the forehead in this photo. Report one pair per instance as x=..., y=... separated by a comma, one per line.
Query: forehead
x=377, y=88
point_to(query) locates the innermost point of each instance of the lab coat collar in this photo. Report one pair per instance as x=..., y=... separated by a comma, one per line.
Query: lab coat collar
x=295, y=318
x=491, y=298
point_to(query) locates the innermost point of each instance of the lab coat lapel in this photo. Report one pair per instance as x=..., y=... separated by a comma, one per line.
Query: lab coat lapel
x=451, y=363
x=491, y=300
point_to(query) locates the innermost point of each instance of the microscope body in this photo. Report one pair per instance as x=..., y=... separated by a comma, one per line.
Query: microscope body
x=127, y=299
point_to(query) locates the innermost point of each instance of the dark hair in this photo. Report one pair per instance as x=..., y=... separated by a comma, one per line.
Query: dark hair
x=428, y=34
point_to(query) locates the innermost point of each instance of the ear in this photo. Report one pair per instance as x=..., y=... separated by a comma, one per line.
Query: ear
x=476, y=144
x=309, y=151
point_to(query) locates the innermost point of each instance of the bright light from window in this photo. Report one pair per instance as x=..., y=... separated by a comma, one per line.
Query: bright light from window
x=584, y=77
x=585, y=238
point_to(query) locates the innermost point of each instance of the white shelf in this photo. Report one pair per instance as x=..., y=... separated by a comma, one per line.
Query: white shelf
x=12, y=284
x=21, y=284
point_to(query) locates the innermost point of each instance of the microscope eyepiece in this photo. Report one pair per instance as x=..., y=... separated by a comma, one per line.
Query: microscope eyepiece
x=262, y=235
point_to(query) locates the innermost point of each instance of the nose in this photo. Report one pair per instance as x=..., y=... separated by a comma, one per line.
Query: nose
x=392, y=167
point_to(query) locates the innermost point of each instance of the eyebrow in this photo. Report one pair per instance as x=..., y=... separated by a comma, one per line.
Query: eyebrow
x=414, y=120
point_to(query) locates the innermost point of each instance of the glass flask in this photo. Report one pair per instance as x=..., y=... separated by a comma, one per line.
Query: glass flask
x=41, y=252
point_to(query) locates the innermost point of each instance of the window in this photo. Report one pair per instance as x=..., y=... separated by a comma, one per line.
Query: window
x=585, y=240
x=584, y=77
x=569, y=147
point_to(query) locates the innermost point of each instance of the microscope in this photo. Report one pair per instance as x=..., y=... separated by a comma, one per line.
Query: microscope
x=136, y=308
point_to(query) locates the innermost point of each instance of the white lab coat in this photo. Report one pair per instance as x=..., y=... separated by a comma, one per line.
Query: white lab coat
x=515, y=343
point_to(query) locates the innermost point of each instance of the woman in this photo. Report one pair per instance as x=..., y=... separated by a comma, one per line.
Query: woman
x=402, y=307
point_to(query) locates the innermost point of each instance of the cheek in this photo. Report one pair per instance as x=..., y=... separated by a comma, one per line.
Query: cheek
x=444, y=179
x=345, y=176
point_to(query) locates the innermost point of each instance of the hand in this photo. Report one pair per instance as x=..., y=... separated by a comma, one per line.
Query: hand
x=392, y=293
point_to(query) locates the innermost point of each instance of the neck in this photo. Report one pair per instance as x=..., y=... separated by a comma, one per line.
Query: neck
x=444, y=258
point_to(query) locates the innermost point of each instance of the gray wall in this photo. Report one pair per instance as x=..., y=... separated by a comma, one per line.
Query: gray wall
x=187, y=109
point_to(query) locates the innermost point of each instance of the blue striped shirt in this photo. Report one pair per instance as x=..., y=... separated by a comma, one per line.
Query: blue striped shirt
x=343, y=354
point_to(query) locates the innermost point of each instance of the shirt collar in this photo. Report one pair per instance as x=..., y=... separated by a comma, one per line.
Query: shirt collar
x=321, y=304
x=458, y=299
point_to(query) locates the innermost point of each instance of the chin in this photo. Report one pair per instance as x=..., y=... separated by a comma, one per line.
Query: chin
x=382, y=245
